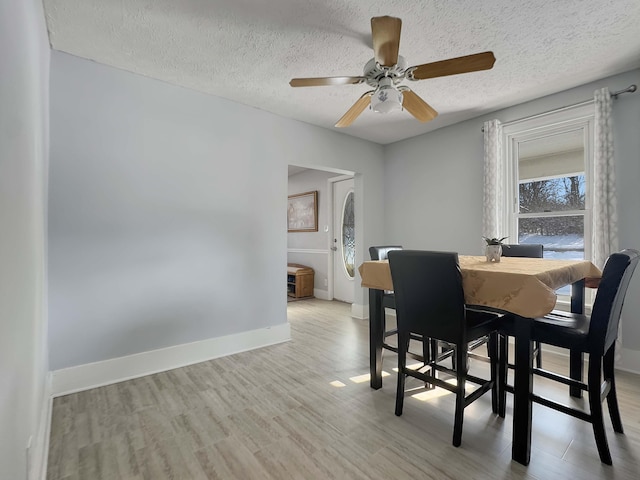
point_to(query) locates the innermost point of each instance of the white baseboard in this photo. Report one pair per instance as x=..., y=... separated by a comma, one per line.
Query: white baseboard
x=321, y=294
x=359, y=311
x=39, y=452
x=114, y=370
x=629, y=361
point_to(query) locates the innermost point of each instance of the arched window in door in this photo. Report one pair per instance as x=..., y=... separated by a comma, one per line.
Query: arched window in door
x=348, y=235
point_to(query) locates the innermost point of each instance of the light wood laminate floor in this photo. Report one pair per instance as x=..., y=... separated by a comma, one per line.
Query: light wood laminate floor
x=304, y=410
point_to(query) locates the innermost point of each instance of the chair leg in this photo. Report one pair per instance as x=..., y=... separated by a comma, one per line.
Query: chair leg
x=426, y=349
x=612, y=397
x=402, y=363
x=538, y=347
x=492, y=348
x=429, y=352
x=595, y=406
x=453, y=359
x=503, y=362
x=461, y=376
x=434, y=349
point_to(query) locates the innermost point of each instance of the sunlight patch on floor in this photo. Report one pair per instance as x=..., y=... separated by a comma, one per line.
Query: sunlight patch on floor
x=366, y=377
x=413, y=366
x=437, y=392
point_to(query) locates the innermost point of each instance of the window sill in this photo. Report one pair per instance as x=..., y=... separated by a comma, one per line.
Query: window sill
x=564, y=304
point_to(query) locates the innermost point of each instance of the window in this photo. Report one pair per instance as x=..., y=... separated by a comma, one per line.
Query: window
x=551, y=194
x=548, y=182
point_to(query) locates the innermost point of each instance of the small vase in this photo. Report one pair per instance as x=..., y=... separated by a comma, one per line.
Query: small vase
x=494, y=252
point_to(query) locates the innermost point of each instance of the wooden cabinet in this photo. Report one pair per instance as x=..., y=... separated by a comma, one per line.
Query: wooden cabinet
x=299, y=280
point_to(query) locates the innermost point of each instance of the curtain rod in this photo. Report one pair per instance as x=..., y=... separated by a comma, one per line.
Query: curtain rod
x=629, y=89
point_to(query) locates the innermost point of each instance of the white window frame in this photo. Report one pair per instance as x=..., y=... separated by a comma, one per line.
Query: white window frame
x=568, y=119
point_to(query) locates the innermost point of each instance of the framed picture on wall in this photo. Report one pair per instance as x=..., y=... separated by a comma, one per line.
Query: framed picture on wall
x=302, y=212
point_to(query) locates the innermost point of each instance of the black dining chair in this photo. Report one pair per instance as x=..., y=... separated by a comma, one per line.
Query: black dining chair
x=528, y=250
x=594, y=335
x=430, y=302
x=532, y=250
x=388, y=298
x=388, y=301
x=381, y=253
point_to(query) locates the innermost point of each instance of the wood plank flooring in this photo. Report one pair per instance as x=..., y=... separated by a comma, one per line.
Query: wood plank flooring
x=304, y=410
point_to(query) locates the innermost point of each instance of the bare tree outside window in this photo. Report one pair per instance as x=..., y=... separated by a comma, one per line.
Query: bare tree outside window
x=561, y=233
x=556, y=194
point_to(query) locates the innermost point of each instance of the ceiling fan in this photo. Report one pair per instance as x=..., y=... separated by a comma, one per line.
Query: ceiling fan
x=387, y=70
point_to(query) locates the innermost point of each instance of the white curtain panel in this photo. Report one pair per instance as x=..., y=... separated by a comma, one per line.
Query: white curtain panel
x=493, y=192
x=605, y=218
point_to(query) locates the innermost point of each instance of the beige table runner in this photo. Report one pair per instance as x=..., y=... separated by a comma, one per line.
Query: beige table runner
x=524, y=286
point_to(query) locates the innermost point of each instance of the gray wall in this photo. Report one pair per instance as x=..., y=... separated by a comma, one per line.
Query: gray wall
x=24, y=96
x=433, y=183
x=168, y=207
x=167, y=211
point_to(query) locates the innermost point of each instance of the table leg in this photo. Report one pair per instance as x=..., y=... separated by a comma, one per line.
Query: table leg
x=576, y=360
x=577, y=297
x=376, y=337
x=523, y=388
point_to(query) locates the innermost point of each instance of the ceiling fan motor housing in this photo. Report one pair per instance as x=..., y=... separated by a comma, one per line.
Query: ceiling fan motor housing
x=374, y=72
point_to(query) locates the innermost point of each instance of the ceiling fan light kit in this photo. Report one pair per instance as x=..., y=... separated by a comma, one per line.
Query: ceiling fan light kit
x=387, y=70
x=387, y=98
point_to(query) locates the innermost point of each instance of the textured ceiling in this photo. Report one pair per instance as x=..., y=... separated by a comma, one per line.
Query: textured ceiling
x=248, y=50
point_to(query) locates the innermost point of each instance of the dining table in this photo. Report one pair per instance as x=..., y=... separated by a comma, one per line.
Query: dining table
x=525, y=288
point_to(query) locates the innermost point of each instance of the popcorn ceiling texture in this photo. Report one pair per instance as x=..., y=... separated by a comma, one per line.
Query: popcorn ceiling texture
x=248, y=50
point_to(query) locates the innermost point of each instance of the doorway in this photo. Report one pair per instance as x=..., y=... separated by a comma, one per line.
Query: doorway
x=315, y=249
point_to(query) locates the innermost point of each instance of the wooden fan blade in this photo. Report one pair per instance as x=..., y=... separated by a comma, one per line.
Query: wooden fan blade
x=385, y=33
x=417, y=107
x=453, y=66
x=357, y=108
x=317, y=82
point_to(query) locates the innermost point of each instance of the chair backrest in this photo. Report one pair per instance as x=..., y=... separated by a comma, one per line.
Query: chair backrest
x=605, y=316
x=429, y=295
x=382, y=252
x=531, y=250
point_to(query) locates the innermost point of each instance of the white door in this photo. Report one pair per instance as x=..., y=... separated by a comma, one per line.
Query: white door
x=344, y=252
